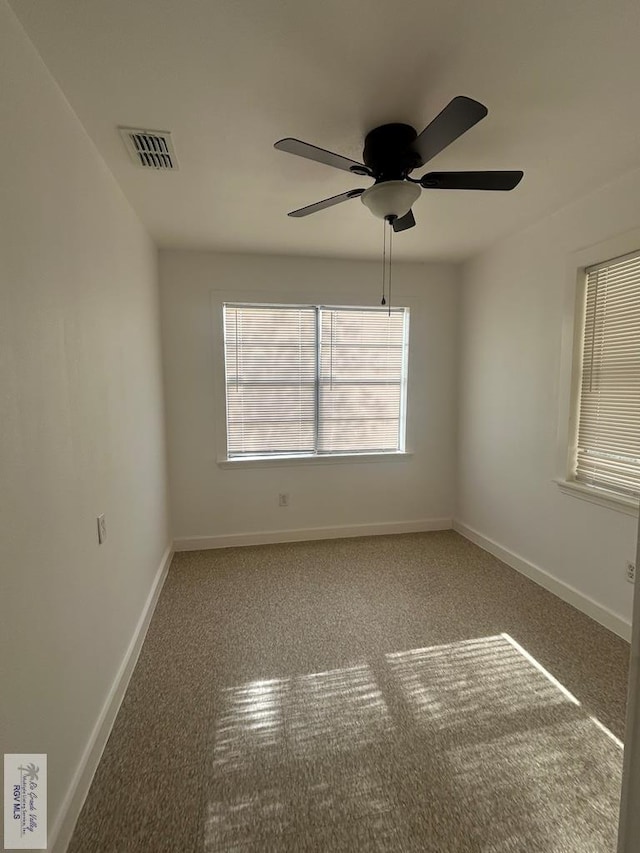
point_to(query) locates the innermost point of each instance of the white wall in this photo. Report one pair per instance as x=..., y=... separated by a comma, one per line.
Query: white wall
x=511, y=393
x=629, y=831
x=81, y=420
x=210, y=501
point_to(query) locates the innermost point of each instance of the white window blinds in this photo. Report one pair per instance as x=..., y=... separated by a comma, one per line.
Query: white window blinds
x=361, y=380
x=314, y=380
x=270, y=358
x=608, y=445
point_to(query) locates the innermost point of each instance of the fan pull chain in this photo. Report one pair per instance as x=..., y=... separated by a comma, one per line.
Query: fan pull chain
x=390, y=249
x=384, y=258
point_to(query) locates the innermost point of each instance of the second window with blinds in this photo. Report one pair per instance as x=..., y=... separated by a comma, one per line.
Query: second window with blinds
x=313, y=381
x=606, y=454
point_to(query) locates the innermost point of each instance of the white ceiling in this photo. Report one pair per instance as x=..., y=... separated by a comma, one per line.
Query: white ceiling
x=230, y=77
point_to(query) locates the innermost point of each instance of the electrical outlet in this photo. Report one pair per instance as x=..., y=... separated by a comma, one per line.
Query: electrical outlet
x=631, y=572
x=102, y=528
x=283, y=499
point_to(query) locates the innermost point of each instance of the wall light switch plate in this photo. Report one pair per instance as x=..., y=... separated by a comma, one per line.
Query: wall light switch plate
x=102, y=528
x=631, y=572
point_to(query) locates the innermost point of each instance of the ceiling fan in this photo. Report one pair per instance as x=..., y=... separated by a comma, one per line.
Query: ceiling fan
x=392, y=152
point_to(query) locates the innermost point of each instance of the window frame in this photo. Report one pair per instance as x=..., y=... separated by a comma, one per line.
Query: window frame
x=572, y=339
x=278, y=459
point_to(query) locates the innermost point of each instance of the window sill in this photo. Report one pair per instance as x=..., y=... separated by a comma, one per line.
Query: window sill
x=338, y=458
x=611, y=500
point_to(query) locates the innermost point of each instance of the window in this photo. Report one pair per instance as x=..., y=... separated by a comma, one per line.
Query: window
x=314, y=380
x=608, y=417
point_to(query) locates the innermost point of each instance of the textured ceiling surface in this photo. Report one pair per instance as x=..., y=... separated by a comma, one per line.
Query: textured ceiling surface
x=230, y=77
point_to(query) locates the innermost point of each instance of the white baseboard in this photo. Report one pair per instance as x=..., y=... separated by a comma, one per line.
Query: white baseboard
x=570, y=594
x=234, y=540
x=64, y=824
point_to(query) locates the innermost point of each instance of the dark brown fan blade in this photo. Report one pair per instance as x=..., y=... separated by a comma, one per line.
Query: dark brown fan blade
x=471, y=180
x=327, y=202
x=312, y=152
x=456, y=118
x=404, y=222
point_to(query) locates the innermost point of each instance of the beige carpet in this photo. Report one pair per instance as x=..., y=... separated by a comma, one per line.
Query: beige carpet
x=400, y=693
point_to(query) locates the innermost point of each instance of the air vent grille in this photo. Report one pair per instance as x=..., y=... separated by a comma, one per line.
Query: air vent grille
x=150, y=149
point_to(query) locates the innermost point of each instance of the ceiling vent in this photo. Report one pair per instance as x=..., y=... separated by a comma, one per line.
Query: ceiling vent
x=149, y=149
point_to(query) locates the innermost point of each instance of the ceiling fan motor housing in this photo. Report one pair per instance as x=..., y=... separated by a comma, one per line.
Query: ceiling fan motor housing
x=388, y=152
